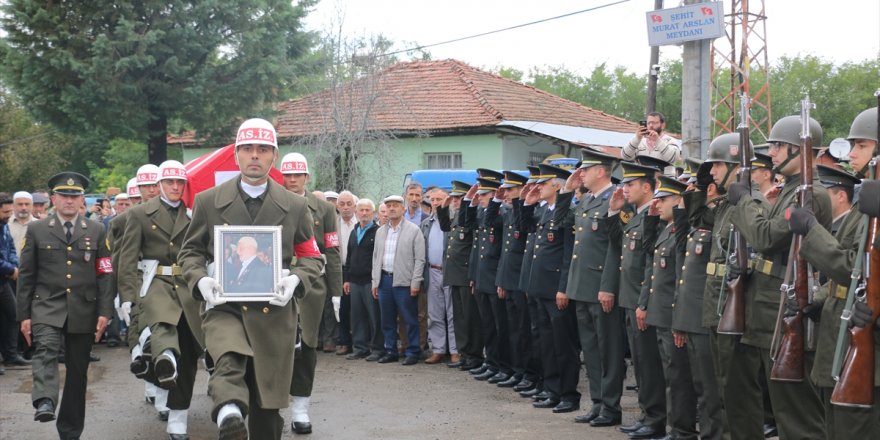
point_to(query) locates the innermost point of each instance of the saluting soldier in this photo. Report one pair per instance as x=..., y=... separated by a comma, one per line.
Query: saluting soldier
x=152, y=241
x=687, y=307
x=796, y=405
x=524, y=276
x=833, y=254
x=64, y=290
x=295, y=169
x=507, y=280
x=593, y=289
x=252, y=343
x=763, y=176
x=548, y=284
x=681, y=399
x=459, y=226
x=637, y=232
x=493, y=313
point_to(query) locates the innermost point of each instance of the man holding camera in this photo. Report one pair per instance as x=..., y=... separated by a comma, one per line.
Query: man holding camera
x=650, y=140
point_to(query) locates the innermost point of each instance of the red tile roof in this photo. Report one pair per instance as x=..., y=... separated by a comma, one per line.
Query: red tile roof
x=433, y=97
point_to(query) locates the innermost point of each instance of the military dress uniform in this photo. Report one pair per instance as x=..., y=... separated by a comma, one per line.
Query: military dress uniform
x=465, y=315
x=637, y=232
x=601, y=334
x=252, y=343
x=64, y=286
x=796, y=406
x=155, y=231
x=833, y=255
x=311, y=306
x=524, y=275
x=507, y=278
x=658, y=299
x=549, y=276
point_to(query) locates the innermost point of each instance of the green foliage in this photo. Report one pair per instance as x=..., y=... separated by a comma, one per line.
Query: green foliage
x=124, y=69
x=123, y=157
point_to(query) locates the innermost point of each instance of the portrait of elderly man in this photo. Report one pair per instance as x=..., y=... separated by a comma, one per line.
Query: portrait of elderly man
x=253, y=274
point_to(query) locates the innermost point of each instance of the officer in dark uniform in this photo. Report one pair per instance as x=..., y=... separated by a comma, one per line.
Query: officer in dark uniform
x=796, y=405
x=600, y=326
x=637, y=232
x=681, y=399
x=687, y=309
x=465, y=315
x=507, y=280
x=548, y=284
x=524, y=276
x=493, y=313
x=64, y=290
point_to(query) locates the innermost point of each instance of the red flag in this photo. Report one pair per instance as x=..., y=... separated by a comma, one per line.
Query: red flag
x=706, y=11
x=656, y=19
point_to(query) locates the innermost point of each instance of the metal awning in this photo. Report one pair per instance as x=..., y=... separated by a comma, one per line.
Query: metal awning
x=576, y=135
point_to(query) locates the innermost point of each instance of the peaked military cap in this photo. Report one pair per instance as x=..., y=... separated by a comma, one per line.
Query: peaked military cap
x=591, y=157
x=651, y=161
x=534, y=171
x=832, y=176
x=549, y=172
x=459, y=188
x=69, y=183
x=633, y=171
x=669, y=187
x=487, y=185
x=512, y=179
x=762, y=160
x=486, y=173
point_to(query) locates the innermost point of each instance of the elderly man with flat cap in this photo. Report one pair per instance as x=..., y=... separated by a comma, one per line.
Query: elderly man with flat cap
x=64, y=292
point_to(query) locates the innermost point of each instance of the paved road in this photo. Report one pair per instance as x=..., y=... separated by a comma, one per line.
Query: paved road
x=352, y=400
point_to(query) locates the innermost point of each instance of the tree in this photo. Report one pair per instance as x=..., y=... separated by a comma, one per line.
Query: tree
x=125, y=69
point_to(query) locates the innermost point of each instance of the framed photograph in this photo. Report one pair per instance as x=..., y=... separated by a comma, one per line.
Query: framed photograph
x=247, y=261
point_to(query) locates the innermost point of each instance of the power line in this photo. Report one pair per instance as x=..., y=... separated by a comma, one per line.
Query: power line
x=28, y=138
x=483, y=34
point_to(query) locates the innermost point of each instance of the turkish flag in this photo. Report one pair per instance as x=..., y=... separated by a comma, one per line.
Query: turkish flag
x=656, y=19
x=706, y=11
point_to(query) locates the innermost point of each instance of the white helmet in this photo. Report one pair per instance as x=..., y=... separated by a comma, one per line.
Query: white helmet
x=148, y=175
x=172, y=169
x=294, y=163
x=132, y=188
x=256, y=131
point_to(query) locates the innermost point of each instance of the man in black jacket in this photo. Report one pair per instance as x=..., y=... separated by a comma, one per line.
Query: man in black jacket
x=356, y=276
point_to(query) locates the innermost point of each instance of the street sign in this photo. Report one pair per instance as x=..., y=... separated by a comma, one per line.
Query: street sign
x=699, y=21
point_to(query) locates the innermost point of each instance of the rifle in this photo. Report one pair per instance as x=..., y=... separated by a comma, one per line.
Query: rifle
x=733, y=316
x=855, y=386
x=788, y=364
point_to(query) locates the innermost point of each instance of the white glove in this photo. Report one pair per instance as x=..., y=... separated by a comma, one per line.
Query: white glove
x=284, y=290
x=336, y=302
x=211, y=291
x=125, y=312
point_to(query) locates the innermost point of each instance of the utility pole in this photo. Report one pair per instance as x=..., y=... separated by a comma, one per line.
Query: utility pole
x=695, y=97
x=653, y=70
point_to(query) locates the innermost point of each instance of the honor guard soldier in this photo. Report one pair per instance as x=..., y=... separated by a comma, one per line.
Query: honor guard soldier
x=637, y=231
x=493, y=313
x=763, y=176
x=252, y=343
x=796, y=405
x=295, y=169
x=64, y=292
x=507, y=280
x=153, y=237
x=524, y=276
x=548, y=284
x=465, y=314
x=658, y=300
x=687, y=307
x=833, y=255
x=593, y=285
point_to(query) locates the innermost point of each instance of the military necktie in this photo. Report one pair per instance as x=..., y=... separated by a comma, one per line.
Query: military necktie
x=68, y=230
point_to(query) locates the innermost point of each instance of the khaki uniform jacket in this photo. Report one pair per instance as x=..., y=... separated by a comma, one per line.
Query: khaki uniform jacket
x=61, y=281
x=115, y=230
x=662, y=271
x=593, y=252
x=637, y=236
x=687, y=307
x=151, y=234
x=767, y=232
x=311, y=306
x=260, y=330
x=459, y=239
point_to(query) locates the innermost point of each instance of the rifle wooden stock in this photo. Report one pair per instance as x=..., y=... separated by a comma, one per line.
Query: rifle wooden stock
x=856, y=385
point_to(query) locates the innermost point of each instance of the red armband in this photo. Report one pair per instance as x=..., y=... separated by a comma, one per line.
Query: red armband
x=306, y=249
x=104, y=266
x=331, y=239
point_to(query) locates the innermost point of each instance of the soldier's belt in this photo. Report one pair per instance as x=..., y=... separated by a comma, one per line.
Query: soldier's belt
x=766, y=267
x=838, y=291
x=169, y=271
x=715, y=269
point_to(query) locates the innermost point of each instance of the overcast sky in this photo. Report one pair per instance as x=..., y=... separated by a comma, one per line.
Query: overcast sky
x=841, y=31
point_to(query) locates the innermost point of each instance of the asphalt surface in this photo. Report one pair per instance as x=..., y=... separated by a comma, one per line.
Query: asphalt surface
x=351, y=400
